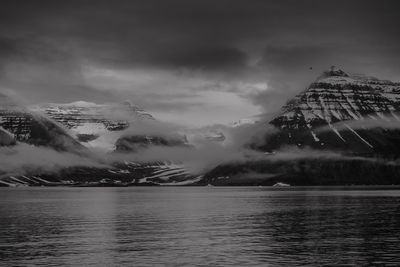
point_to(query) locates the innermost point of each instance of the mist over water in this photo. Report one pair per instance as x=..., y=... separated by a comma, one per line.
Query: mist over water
x=204, y=226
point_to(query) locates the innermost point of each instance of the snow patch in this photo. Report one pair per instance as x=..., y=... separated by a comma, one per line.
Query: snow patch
x=362, y=139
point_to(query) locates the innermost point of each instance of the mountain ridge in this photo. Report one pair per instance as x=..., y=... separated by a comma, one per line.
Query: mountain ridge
x=32, y=128
x=318, y=116
x=92, y=123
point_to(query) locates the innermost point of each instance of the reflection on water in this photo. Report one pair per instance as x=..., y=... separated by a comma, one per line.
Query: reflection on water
x=206, y=226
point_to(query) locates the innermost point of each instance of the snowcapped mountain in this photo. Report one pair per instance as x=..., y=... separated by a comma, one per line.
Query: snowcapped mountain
x=339, y=112
x=95, y=125
x=20, y=124
x=336, y=96
x=350, y=122
x=326, y=113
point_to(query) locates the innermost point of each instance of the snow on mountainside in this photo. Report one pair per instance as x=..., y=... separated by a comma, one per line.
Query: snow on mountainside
x=100, y=126
x=342, y=130
x=122, y=174
x=22, y=125
x=95, y=124
x=332, y=100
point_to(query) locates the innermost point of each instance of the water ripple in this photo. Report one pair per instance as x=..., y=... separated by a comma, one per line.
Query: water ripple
x=198, y=226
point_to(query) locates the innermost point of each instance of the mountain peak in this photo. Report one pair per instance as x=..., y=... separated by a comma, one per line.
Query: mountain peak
x=334, y=71
x=333, y=100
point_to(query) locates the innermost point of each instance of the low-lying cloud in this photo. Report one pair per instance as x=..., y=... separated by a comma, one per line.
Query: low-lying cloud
x=24, y=158
x=202, y=155
x=388, y=123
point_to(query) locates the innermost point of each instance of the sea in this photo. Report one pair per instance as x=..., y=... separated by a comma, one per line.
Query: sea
x=200, y=226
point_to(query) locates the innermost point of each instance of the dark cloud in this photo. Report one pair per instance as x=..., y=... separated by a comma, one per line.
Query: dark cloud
x=206, y=57
x=195, y=33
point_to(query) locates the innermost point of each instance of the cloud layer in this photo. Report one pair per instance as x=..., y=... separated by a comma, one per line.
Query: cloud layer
x=169, y=55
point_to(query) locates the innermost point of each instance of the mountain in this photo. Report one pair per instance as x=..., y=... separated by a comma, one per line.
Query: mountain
x=17, y=123
x=339, y=111
x=94, y=124
x=343, y=129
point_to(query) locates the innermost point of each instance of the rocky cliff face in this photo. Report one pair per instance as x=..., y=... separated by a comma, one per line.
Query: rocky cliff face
x=92, y=124
x=22, y=125
x=114, y=117
x=336, y=96
x=323, y=115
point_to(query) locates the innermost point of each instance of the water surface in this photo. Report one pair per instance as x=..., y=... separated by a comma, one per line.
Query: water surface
x=204, y=226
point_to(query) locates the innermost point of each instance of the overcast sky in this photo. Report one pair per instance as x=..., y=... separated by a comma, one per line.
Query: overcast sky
x=193, y=62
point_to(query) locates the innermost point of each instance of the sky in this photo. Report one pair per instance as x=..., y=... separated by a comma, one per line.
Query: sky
x=191, y=62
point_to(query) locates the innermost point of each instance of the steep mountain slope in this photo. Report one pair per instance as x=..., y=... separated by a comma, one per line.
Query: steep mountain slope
x=342, y=112
x=94, y=124
x=28, y=127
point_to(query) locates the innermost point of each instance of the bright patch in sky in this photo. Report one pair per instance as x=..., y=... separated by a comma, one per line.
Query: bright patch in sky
x=189, y=98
